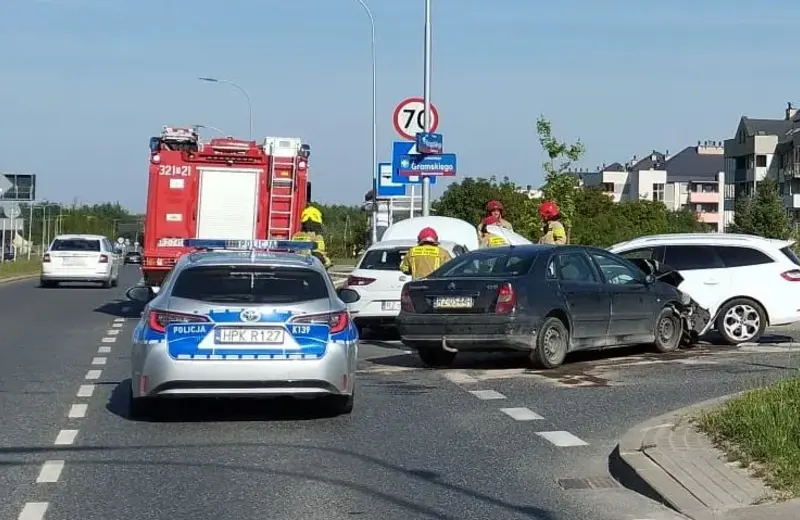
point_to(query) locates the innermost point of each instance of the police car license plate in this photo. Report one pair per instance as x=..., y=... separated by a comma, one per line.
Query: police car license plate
x=452, y=302
x=248, y=336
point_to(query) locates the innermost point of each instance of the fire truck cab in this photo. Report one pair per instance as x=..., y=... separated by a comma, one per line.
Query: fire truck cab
x=225, y=188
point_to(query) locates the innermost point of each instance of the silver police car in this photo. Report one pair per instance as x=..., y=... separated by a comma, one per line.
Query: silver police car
x=244, y=318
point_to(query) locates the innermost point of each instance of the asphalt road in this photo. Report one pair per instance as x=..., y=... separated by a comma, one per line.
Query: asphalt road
x=419, y=444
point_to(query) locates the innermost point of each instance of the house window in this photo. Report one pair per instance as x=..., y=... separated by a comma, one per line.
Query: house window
x=658, y=192
x=608, y=187
x=761, y=161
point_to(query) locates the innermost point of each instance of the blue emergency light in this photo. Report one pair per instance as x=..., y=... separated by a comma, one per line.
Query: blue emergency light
x=289, y=246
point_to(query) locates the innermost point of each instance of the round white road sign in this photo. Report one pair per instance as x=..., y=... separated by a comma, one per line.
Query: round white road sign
x=12, y=211
x=120, y=240
x=409, y=118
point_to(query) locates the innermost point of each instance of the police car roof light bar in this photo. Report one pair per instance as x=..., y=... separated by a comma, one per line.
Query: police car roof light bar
x=288, y=246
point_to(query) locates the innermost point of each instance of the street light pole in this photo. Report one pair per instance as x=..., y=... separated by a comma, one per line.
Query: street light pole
x=374, y=125
x=242, y=90
x=426, y=181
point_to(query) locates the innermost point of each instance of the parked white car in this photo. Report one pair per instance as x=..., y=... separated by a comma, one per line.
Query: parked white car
x=377, y=276
x=746, y=282
x=80, y=258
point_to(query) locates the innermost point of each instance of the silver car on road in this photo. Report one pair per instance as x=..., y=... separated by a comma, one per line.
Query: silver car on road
x=256, y=322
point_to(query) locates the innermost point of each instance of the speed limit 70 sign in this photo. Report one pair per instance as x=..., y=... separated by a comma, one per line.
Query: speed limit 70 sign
x=409, y=118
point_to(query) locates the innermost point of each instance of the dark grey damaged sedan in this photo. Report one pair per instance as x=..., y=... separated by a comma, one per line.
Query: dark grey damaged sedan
x=548, y=301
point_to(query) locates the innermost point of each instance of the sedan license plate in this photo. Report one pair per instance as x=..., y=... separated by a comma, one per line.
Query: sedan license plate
x=452, y=302
x=73, y=261
x=248, y=336
x=391, y=306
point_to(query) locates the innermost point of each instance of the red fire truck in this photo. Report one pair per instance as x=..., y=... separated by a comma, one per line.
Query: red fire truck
x=221, y=189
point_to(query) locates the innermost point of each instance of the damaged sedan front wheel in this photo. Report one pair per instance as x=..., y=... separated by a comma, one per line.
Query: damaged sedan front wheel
x=668, y=330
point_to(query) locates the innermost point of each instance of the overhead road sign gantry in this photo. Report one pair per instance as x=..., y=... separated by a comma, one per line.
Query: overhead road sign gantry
x=409, y=118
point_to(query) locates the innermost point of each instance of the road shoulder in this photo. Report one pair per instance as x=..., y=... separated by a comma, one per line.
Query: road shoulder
x=667, y=458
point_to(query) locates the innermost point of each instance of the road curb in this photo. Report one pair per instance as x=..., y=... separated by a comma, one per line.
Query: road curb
x=19, y=278
x=633, y=468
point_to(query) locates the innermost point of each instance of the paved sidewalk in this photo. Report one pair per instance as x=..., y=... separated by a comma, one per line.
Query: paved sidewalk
x=680, y=466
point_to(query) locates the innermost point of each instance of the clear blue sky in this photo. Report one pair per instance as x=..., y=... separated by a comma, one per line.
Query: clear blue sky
x=85, y=83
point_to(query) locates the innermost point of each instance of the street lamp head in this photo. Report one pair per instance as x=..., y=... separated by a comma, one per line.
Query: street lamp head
x=210, y=80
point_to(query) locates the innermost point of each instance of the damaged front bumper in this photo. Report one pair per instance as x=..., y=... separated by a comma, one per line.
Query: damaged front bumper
x=695, y=319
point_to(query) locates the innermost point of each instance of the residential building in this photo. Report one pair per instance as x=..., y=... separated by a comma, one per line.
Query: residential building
x=765, y=148
x=530, y=191
x=692, y=179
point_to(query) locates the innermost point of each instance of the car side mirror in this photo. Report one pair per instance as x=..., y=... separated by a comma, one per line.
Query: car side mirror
x=348, y=296
x=138, y=294
x=649, y=279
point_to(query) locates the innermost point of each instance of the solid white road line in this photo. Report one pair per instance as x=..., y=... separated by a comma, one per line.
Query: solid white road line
x=562, y=439
x=66, y=437
x=109, y=340
x=486, y=395
x=119, y=320
x=113, y=332
x=85, y=391
x=94, y=374
x=50, y=472
x=77, y=411
x=459, y=378
x=99, y=361
x=104, y=350
x=522, y=414
x=33, y=511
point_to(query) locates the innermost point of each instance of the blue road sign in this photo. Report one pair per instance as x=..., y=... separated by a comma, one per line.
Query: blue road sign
x=443, y=165
x=399, y=150
x=386, y=186
x=430, y=144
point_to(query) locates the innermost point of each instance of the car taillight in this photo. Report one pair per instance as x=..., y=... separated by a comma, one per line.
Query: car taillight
x=158, y=320
x=337, y=321
x=506, y=299
x=46, y=257
x=406, y=305
x=103, y=259
x=359, y=280
x=792, y=275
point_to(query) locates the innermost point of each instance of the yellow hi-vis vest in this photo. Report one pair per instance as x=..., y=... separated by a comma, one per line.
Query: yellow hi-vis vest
x=422, y=260
x=320, y=243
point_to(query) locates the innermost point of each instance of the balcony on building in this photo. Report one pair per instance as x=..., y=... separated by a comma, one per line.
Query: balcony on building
x=792, y=201
x=708, y=217
x=704, y=193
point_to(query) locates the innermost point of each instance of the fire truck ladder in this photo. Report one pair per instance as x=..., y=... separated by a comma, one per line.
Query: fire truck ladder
x=281, y=194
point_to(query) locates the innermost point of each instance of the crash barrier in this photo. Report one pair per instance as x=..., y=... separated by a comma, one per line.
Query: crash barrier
x=338, y=274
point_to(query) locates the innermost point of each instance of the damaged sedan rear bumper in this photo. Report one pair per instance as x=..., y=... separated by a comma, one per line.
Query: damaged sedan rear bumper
x=481, y=332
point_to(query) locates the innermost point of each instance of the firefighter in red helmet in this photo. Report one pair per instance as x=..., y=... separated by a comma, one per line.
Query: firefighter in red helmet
x=553, y=230
x=494, y=215
x=425, y=257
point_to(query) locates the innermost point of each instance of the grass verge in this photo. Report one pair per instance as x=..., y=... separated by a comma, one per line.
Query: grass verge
x=20, y=268
x=344, y=261
x=763, y=427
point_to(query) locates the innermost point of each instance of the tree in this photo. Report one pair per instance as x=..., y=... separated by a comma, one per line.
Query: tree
x=560, y=185
x=466, y=200
x=763, y=214
x=344, y=229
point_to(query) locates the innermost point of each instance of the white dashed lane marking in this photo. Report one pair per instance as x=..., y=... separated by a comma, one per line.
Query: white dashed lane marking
x=113, y=332
x=486, y=395
x=66, y=437
x=109, y=340
x=99, y=361
x=94, y=374
x=117, y=325
x=562, y=439
x=77, y=411
x=50, y=472
x=459, y=378
x=119, y=320
x=85, y=391
x=33, y=511
x=104, y=350
x=522, y=414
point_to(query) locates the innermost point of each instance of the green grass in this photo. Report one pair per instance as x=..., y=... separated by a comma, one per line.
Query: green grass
x=344, y=261
x=20, y=267
x=762, y=427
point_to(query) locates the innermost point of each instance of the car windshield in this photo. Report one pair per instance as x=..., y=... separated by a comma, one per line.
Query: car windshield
x=484, y=263
x=75, y=244
x=383, y=259
x=250, y=284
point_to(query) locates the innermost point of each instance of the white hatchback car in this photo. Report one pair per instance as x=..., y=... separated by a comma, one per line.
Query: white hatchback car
x=377, y=276
x=80, y=258
x=746, y=282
